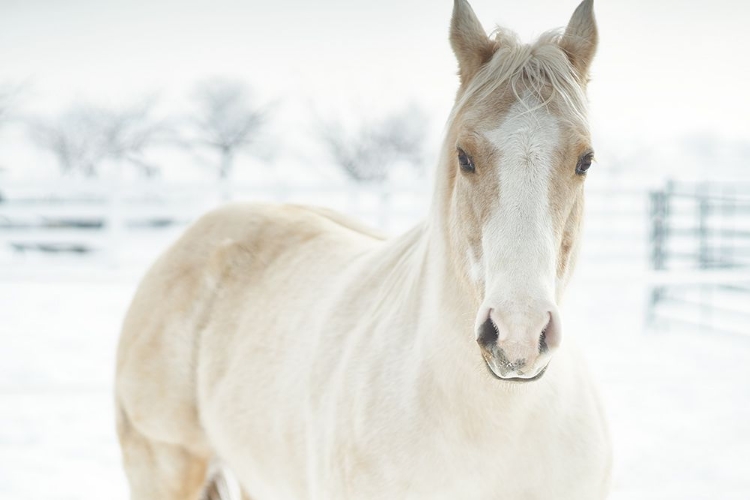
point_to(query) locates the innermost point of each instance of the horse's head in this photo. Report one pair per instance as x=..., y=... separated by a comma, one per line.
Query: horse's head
x=516, y=156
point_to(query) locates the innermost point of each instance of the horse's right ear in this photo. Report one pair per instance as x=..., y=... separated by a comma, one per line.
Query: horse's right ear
x=470, y=43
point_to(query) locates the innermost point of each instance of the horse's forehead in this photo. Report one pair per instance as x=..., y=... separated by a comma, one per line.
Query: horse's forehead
x=526, y=133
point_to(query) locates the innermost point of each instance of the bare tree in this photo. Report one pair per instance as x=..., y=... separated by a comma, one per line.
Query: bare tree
x=4, y=105
x=9, y=94
x=367, y=153
x=129, y=133
x=9, y=97
x=225, y=120
x=84, y=136
x=74, y=138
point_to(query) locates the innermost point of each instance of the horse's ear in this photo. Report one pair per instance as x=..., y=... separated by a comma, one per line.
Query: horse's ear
x=581, y=37
x=470, y=43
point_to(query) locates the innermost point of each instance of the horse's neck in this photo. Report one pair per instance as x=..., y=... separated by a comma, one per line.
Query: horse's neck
x=417, y=271
x=433, y=333
x=426, y=283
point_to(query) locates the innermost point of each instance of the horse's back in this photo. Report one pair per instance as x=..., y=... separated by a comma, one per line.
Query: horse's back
x=222, y=258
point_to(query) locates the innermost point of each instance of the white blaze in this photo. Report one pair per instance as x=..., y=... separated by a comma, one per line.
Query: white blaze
x=519, y=254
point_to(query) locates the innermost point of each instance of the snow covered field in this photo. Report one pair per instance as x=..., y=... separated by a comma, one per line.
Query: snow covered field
x=678, y=402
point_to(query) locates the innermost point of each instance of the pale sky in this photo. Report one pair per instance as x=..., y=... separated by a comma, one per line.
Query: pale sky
x=665, y=69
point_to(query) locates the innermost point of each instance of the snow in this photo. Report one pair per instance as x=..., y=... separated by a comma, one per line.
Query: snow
x=57, y=438
x=677, y=400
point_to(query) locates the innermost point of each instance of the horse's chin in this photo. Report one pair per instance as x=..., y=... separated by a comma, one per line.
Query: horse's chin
x=533, y=378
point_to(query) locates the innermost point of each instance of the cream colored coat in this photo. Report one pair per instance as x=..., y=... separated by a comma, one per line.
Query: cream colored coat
x=317, y=360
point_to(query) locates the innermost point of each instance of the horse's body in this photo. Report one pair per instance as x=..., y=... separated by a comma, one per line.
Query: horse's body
x=317, y=360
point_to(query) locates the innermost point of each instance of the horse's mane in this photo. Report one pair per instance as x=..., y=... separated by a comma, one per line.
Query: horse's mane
x=541, y=68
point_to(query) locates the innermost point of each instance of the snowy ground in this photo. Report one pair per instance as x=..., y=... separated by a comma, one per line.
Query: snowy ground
x=57, y=344
x=678, y=402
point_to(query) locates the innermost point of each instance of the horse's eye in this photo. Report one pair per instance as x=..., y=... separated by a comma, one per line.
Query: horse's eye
x=467, y=164
x=584, y=163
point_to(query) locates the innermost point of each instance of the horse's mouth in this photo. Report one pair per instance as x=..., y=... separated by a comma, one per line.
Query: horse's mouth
x=515, y=379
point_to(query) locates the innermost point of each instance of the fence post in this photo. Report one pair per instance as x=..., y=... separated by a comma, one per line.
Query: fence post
x=704, y=251
x=703, y=212
x=659, y=213
x=729, y=238
x=115, y=217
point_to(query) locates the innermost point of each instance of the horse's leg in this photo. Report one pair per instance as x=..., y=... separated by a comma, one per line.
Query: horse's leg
x=214, y=492
x=221, y=487
x=158, y=470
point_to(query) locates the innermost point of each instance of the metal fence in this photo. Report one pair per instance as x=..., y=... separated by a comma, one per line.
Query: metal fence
x=700, y=255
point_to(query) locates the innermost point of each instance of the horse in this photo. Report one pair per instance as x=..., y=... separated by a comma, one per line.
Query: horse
x=312, y=358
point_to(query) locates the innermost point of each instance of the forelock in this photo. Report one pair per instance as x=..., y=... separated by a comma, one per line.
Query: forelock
x=541, y=69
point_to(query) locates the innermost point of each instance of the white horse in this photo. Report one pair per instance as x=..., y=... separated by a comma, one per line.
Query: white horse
x=316, y=360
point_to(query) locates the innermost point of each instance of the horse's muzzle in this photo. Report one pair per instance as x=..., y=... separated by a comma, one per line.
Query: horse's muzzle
x=517, y=348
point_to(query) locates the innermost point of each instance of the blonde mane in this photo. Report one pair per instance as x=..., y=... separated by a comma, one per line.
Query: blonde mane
x=542, y=69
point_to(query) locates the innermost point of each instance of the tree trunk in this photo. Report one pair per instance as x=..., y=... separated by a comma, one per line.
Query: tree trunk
x=225, y=171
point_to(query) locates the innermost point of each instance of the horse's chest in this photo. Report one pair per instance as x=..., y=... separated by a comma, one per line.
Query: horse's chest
x=538, y=464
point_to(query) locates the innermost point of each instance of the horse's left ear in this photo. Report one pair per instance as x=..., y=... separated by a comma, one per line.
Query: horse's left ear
x=581, y=37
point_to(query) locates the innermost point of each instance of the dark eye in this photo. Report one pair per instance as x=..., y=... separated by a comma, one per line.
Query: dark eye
x=467, y=164
x=584, y=163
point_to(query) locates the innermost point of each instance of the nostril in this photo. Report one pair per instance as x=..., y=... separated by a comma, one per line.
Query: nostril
x=550, y=336
x=543, y=342
x=543, y=347
x=488, y=333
